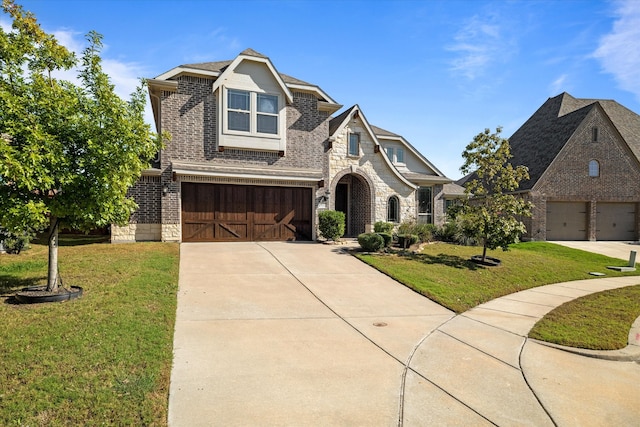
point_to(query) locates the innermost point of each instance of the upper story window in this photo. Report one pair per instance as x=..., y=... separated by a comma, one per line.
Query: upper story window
x=252, y=112
x=354, y=144
x=399, y=155
x=594, y=168
x=239, y=110
x=267, y=113
x=594, y=134
x=390, y=153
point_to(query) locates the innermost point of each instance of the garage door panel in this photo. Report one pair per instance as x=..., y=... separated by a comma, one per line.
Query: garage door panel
x=616, y=221
x=566, y=221
x=221, y=212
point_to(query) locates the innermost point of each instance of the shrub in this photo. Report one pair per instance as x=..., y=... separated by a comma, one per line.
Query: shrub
x=13, y=243
x=383, y=227
x=425, y=232
x=371, y=242
x=331, y=224
x=387, y=237
x=406, y=240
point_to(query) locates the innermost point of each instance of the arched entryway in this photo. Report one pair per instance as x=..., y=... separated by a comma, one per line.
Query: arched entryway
x=353, y=197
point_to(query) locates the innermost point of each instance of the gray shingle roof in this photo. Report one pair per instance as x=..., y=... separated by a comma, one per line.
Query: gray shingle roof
x=383, y=132
x=335, y=122
x=220, y=66
x=539, y=140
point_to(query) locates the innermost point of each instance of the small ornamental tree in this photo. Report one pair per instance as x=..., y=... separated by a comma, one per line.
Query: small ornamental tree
x=492, y=210
x=68, y=151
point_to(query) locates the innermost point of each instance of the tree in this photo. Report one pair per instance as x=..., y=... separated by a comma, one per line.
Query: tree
x=491, y=208
x=68, y=151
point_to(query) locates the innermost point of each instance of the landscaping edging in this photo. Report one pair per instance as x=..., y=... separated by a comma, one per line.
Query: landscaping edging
x=38, y=294
x=488, y=261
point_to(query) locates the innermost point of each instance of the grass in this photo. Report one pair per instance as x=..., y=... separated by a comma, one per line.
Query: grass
x=103, y=359
x=599, y=321
x=443, y=272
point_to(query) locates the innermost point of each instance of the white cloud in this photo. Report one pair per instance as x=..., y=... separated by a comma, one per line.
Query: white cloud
x=618, y=51
x=558, y=85
x=478, y=45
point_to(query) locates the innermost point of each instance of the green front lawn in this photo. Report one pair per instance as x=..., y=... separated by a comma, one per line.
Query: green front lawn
x=103, y=359
x=599, y=321
x=443, y=272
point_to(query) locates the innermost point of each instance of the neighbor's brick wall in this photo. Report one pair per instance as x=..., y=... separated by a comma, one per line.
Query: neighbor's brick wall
x=567, y=179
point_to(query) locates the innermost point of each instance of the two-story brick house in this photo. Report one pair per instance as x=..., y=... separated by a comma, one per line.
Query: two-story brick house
x=255, y=154
x=583, y=157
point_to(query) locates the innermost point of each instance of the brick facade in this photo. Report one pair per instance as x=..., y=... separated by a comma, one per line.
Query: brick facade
x=567, y=178
x=187, y=108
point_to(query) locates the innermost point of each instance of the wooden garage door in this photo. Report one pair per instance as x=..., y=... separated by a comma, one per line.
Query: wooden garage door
x=616, y=221
x=566, y=221
x=224, y=213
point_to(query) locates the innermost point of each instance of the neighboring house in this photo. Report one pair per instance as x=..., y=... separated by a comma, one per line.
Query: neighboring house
x=255, y=154
x=583, y=157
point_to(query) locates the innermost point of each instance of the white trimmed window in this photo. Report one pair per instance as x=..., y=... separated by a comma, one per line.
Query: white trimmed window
x=354, y=144
x=239, y=111
x=399, y=155
x=251, y=112
x=267, y=113
x=594, y=168
x=390, y=153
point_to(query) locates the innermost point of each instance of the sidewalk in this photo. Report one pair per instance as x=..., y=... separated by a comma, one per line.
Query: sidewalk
x=303, y=334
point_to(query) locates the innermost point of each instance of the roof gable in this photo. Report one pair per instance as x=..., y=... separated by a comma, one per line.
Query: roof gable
x=387, y=135
x=252, y=56
x=541, y=138
x=338, y=123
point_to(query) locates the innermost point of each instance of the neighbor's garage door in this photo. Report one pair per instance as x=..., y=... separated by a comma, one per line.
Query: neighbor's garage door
x=616, y=221
x=223, y=213
x=566, y=221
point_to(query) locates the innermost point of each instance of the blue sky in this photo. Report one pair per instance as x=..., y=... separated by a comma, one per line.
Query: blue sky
x=436, y=72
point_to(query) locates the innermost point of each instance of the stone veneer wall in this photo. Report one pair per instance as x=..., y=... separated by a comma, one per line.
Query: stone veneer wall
x=370, y=164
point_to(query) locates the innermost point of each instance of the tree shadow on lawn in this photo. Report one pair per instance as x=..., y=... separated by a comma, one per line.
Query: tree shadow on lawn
x=73, y=239
x=11, y=284
x=453, y=261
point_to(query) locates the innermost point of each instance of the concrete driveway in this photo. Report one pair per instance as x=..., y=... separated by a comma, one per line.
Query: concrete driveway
x=304, y=334
x=612, y=249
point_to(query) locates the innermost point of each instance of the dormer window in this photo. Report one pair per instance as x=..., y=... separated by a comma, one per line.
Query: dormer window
x=251, y=112
x=267, y=113
x=399, y=155
x=239, y=110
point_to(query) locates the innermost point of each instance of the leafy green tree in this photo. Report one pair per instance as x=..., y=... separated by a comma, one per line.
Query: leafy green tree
x=492, y=210
x=68, y=151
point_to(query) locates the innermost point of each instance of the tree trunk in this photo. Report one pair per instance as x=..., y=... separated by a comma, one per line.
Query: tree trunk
x=52, y=278
x=484, y=250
